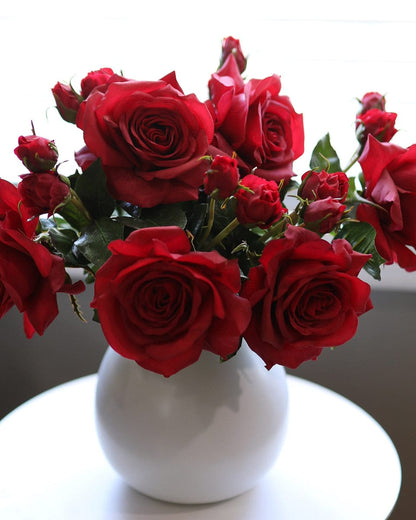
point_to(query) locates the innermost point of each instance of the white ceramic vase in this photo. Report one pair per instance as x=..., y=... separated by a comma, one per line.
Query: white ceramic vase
x=207, y=433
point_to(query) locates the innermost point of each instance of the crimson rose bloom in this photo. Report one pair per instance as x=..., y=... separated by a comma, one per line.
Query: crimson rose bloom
x=223, y=176
x=256, y=122
x=305, y=295
x=161, y=304
x=37, y=153
x=30, y=276
x=260, y=204
x=390, y=181
x=150, y=138
x=42, y=192
x=320, y=185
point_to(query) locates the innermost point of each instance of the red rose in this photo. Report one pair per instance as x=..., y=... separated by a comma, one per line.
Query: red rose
x=150, y=138
x=260, y=204
x=377, y=123
x=222, y=176
x=67, y=101
x=256, y=122
x=30, y=276
x=94, y=79
x=305, y=295
x=372, y=100
x=390, y=182
x=161, y=305
x=323, y=215
x=42, y=192
x=232, y=46
x=13, y=215
x=37, y=153
x=320, y=185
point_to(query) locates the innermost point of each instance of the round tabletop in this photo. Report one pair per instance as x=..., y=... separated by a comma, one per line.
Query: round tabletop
x=337, y=463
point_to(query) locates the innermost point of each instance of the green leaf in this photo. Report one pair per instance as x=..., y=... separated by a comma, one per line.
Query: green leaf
x=63, y=239
x=165, y=215
x=324, y=157
x=94, y=240
x=91, y=188
x=133, y=223
x=196, y=213
x=361, y=236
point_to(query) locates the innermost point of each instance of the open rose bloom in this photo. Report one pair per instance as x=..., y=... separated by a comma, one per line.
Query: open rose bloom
x=178, y=214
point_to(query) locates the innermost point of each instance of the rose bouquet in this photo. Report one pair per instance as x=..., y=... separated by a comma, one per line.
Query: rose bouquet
x=190, y=221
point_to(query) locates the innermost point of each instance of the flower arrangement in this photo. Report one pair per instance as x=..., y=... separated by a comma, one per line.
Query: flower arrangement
x=190, y=221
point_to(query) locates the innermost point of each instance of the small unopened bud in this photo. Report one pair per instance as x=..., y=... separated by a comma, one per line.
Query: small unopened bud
x=232, y=46
x=37, y=153
x=67, y=101
x=372, y=100
x=221, y=180
x=95, y=79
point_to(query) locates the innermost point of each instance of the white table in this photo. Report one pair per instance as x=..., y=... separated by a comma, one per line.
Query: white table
x=337, y=463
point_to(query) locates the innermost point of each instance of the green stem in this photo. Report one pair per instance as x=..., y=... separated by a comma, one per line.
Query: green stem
x=211, y=214
x=278, y=228
x=225, y=232
x=353, y=159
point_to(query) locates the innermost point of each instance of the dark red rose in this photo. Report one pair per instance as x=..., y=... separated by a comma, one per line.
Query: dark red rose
x=323, y=215
x=42, y=192
x=30, y=276
x=161, y=304
x=260, y=204
x=150, y=138
x=232, y=46
x=222, y=176
x=94, y=79
x=320, y=185
x=377, y=123
x=13, y=215
x=37, y=153
x=390, y=182
x=305, y=296
x=67, y=101
x=372, y=100
x=256, y=122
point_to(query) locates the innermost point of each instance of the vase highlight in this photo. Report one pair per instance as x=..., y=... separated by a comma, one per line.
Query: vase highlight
x=207, y=433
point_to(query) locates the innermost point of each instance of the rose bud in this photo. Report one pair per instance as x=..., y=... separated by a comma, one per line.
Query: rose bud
x=259, y=204
x=377, y=123
x=320, y=185
x=37, y=153
x=94, y=79
x=372, y=100
x=42, y=192
x=323, y=215
x=221, y=180
x=67, y=101
x=232, y=46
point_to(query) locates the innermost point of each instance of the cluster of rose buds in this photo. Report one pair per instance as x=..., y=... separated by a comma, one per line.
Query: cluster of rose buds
x=42, y=190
